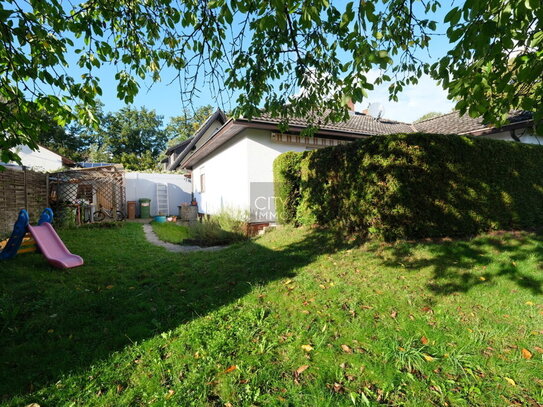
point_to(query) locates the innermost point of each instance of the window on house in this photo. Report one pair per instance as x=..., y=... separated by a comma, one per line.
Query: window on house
x=202, y=182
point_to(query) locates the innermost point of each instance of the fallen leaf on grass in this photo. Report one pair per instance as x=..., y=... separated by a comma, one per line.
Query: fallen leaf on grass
x=427, y=309
x=169, y=394
x=529, y=303
x=302, y=369
x=307, y=348
x=424, y=340
x=538, y=349
x=336, y=387
x=394, y=314
x=428, y=358
x=109, y=287
x=510, y=381
x=230, y=369
x=526, y=354
x=346, y=349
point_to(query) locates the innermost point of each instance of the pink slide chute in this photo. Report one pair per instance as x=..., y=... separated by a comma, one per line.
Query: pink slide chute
x=53, y=248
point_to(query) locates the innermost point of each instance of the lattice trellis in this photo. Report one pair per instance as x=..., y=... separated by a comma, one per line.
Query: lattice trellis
x=88, y=190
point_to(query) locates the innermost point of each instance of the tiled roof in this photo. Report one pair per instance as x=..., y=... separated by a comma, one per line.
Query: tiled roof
x=178, y=146
x=453, y=123
x=358, y=123
x=218, y=115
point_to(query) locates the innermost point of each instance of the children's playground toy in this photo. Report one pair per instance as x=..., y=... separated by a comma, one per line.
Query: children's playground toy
x=44, y=237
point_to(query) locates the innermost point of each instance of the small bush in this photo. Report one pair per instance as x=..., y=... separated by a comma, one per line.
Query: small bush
x=420, y=185
x=232, y=220
x=286, y=170
x=226, y=227
x=209, y=233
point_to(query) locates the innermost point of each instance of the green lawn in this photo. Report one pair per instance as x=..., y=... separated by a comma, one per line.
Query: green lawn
x=171, y=232
x=289, y=319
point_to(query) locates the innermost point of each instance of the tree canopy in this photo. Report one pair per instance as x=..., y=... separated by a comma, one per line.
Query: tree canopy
x=266, y=51
x=134, y=137
x=185, y=125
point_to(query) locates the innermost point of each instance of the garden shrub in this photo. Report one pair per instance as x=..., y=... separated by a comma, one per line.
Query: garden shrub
x=286, y=171
x=225, y=227
x=209, y=233
x=421, y=185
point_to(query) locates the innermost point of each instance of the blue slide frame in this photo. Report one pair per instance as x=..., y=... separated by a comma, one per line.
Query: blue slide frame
x=17, y=236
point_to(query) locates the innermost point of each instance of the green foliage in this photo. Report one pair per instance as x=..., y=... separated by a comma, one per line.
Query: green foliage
x=495, y=63
x=232, y=220
x=134, y=137
x=226, y=227
x=286, y=172
x=140, y=326
x=98, y=154
x=210, y=233
x=427, y=116
x=418, y=185
x=184, y=126
x=322, y=47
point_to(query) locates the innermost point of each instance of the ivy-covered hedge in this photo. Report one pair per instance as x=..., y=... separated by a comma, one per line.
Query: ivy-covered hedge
x=421, y=185
x=286, y=172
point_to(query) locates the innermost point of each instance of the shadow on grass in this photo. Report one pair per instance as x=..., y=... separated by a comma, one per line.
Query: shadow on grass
x=459, y=266
x=53, y=322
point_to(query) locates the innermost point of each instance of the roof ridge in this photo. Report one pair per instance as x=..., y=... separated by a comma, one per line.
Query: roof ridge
x=435, y=117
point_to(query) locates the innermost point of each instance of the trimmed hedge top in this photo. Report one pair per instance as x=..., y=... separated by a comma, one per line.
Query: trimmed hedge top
x=416, y=185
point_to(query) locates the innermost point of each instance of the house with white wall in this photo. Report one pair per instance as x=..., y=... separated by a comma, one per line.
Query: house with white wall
x=232, y=167
x=42, y=159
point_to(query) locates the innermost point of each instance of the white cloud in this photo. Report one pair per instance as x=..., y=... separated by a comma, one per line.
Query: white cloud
x=413, y=102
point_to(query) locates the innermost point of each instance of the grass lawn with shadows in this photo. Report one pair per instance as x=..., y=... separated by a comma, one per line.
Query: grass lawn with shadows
x=288, y=319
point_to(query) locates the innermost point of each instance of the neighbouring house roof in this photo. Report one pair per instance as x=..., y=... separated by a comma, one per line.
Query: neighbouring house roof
x=178, y=145
x=188, y=144
x=453, y=123
x=359, y=125
x=65, y=160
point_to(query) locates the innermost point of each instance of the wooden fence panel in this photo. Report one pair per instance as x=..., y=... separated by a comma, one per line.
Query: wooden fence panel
x=21, y=189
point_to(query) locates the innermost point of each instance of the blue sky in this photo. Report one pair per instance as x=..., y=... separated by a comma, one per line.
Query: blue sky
x=165, y=97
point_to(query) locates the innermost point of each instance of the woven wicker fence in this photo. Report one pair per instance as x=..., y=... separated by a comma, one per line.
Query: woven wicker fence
x=21, y=189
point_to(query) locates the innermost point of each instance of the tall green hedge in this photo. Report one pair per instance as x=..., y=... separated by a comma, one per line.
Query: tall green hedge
x=421, y=185
x=286, y=172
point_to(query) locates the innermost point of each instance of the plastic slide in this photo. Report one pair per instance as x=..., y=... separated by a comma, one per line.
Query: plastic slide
x=16, y=238
x=53, y=248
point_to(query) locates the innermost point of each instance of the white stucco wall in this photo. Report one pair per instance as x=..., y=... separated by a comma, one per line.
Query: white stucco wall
x=143, y=185
x=226, y=178
x=40, y=160
x=261, y=152
x=239, y=171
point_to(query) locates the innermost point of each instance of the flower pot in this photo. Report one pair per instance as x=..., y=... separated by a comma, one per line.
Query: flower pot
x=160, y=219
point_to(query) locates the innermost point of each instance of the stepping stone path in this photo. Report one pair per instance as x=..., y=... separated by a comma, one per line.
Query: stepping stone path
x=151, y=237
